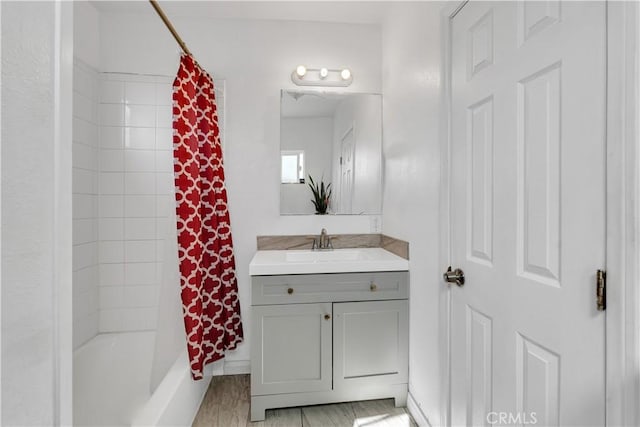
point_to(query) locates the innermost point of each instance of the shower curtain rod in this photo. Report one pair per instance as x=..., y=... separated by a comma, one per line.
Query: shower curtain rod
x=173, y=31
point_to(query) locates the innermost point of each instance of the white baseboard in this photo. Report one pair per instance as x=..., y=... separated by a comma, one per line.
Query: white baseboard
x=214, y=369
x=227, y=367
x=415, y=411
x=237, y=367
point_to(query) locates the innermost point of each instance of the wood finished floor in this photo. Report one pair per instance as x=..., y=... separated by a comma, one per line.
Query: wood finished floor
x=227, y=404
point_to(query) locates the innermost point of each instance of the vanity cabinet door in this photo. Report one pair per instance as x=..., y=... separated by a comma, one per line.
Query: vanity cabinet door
x=291, y=348
x=371, y=342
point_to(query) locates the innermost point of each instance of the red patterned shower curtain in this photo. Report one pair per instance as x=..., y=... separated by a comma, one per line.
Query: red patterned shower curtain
x=208, y=283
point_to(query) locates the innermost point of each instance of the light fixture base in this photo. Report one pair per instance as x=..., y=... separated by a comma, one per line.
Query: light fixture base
x=313, y=78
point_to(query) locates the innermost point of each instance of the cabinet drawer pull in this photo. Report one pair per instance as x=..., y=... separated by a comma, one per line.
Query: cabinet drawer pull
x=290, y=291
x=327, y=317
x=373, y=287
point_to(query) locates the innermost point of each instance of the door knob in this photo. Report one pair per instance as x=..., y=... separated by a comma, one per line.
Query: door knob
x=456, y=276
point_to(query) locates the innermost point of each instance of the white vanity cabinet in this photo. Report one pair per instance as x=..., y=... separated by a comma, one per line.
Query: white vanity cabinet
x=322, y=338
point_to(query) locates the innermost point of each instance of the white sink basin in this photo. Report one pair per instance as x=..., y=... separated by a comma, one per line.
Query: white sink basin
x=334, y=261
x=323, y=256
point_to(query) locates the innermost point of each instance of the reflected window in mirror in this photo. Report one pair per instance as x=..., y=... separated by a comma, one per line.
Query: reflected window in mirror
x=292, y=166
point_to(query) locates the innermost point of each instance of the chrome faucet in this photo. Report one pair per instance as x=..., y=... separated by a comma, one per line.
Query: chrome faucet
x=322, y=242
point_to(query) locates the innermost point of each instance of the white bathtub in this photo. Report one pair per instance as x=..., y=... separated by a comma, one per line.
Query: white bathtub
x=112, y=383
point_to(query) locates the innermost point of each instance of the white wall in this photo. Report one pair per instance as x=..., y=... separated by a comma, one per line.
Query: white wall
x=256, y=59
x=85, y=203
x=36, y=216
x=314, y=135
x=86, y=37
x=86, y=52
x=85, y=135
x=411, y=61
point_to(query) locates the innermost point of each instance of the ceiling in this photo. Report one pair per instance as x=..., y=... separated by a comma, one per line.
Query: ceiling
x=353, y=12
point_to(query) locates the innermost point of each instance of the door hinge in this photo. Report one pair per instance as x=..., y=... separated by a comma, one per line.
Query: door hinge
x=601, y=290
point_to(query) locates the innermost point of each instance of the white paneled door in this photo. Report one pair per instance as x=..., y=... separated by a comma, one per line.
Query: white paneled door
x=347, y=165
x=528, y=213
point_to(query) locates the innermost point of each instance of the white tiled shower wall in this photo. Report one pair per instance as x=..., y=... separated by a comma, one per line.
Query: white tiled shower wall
x=85, y=203
x=135, y=197
x=122, y=196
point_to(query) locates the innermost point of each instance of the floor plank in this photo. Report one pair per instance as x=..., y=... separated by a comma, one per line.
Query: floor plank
x=288, y=417
x=338, y=415
x=381, y=413
x=236, y=404
x=227, y=404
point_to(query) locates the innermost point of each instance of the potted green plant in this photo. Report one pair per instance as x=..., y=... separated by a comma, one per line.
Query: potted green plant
x=321, y=196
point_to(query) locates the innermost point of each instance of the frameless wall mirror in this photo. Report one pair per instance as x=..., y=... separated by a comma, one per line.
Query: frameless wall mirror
x=332, y=142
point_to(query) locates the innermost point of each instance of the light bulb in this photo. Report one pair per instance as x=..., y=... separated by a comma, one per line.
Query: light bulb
x=345, y=74
x=324, y=73
x=301, y=70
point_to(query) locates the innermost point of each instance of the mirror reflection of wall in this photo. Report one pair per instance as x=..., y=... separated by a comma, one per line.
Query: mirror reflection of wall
x=336, y=138
x=313, y=137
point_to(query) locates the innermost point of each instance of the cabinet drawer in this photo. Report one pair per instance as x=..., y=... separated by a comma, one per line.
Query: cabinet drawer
x=310, y=288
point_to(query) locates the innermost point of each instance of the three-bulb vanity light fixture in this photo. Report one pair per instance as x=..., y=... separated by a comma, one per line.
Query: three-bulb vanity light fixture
x=303, y=76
